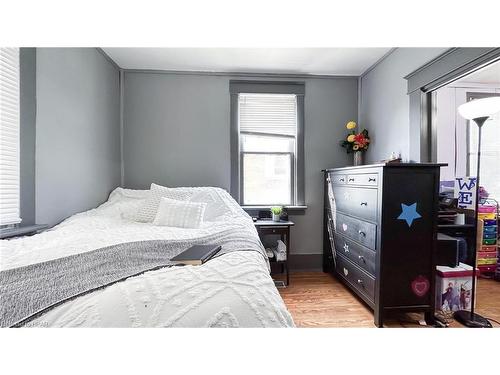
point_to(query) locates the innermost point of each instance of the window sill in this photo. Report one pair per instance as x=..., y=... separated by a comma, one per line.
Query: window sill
x=21, y=230
x=287, y=208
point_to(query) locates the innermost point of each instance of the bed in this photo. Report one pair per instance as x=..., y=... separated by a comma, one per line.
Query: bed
x=234, y=289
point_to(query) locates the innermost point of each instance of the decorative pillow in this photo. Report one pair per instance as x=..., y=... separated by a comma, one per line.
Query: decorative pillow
x=148, y=211
x=172, y=213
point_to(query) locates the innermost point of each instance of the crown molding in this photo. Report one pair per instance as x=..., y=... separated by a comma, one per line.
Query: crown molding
x=241, y=74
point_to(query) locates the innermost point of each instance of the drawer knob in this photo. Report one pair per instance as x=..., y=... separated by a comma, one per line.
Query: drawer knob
x=351, y=179
x=361, y=233
x=364, y=203
x=346, y=247
x=370, y=179
x=328, y=180
x=360, y=281
x=341, y=180
x=361, y=257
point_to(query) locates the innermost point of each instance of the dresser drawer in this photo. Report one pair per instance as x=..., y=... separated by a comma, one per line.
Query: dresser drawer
x=365, y=179
x=337, y=179
x=359, y=255
x=359, y=202
x=359, y=280
x=357, y=230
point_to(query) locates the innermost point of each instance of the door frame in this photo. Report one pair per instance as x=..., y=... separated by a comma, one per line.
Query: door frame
x=422, y=84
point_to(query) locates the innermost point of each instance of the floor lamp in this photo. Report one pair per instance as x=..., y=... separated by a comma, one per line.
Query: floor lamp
x=479, y=111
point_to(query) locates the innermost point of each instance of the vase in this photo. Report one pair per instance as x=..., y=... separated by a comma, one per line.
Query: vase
x=358, y=158
x=276, y=217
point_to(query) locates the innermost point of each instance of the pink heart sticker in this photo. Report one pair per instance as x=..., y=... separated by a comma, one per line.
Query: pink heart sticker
x=420, y=286
x=344, y=227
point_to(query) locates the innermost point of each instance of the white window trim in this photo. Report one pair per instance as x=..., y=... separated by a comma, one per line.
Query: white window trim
x=9, y=136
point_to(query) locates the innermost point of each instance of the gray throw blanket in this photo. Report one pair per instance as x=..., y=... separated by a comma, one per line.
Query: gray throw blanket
x=29, y=291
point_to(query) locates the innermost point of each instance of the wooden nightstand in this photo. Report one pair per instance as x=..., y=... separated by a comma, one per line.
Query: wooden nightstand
x=282, y=229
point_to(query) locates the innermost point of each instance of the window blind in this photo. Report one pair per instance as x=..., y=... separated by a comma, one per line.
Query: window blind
x=268, y=113
x=9, y=136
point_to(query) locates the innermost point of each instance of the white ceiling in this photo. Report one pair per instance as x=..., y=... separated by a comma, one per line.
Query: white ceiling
x=320, y=61
x=489, y=74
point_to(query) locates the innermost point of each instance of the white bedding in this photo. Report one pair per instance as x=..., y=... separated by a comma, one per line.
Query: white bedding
x=232, y=290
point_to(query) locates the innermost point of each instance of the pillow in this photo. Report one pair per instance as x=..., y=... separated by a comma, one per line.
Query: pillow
x=216, y=206
x=133, y=193
x=124, y=203
x=128, y=210
x=147, y=212
x=120, y=194
x=180, y=214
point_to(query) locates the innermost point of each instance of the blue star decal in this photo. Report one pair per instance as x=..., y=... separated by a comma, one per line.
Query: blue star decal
x=409, y=213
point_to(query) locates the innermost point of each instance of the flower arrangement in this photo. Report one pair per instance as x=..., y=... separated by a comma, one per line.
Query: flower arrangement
x=355, y=141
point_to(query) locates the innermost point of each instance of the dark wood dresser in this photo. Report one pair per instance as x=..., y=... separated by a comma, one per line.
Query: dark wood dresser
x=380, y=228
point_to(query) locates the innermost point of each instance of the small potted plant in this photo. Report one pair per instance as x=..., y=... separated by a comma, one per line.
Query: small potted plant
x=356, y=143
x=276, y=211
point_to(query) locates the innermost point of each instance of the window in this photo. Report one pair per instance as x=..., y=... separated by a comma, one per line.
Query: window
x=9, y=136
x=269, y=151
x=490, y=151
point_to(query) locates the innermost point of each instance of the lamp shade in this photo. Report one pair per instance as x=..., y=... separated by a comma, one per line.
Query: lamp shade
x=480, y=108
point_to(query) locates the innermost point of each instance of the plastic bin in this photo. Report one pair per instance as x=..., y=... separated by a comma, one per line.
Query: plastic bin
x=453, y=288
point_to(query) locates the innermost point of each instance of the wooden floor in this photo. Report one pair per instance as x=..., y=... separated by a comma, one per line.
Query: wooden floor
x=317, y=299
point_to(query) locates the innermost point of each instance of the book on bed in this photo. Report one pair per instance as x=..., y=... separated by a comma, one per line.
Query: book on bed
x=197, y=254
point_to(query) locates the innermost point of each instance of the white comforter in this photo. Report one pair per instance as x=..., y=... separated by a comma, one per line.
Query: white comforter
x=233, y=290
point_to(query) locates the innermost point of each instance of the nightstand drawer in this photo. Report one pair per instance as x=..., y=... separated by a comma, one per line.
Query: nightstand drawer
x=273, y=230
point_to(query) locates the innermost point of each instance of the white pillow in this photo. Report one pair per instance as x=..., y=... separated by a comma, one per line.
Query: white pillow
x=129, y=209
x=216, y=206
x=120, y=194
x=148, y=211
x=172, y=213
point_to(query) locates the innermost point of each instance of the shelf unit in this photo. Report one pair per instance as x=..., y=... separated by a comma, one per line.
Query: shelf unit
x=487, y=240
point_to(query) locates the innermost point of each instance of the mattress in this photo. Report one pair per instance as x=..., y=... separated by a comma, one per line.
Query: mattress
x=232, y=290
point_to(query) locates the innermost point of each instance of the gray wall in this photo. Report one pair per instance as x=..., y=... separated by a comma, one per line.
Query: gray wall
x=27, y=62
x=176, y=133
x=176, y=130
x=384, y=102
x=77, y=131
